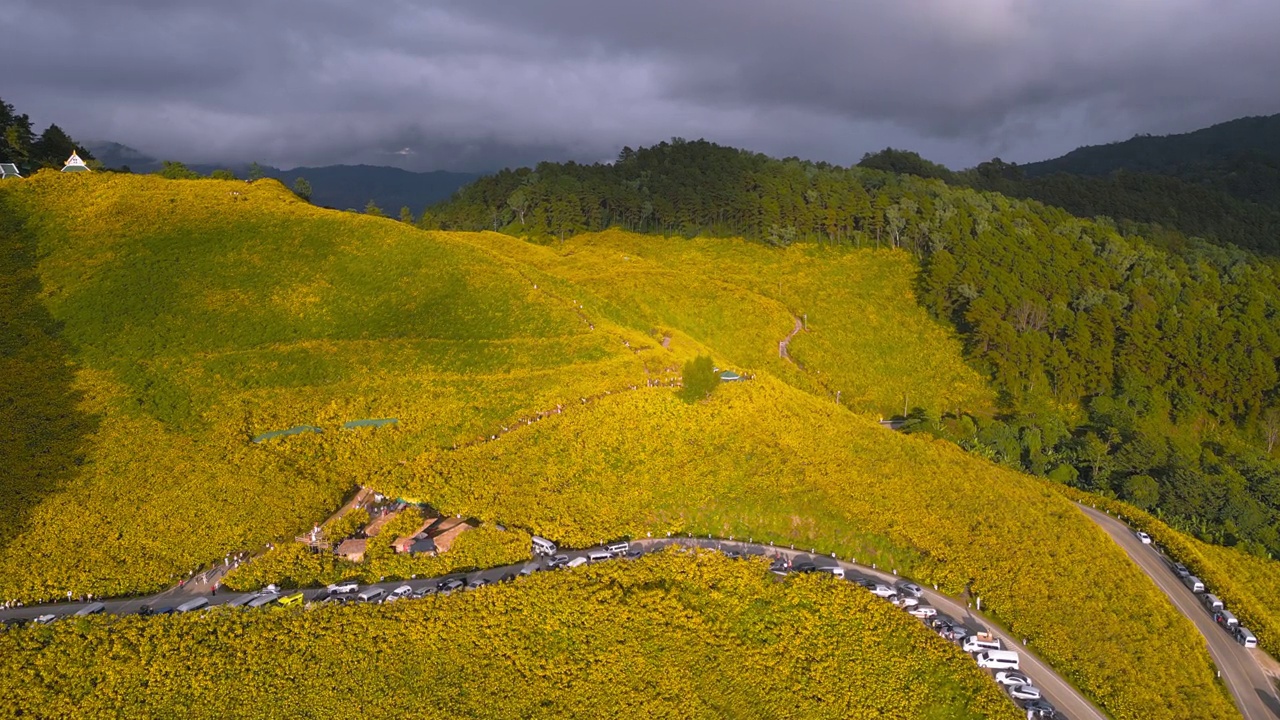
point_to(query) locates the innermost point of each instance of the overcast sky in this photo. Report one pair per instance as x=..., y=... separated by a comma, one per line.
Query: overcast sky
x=481, y=84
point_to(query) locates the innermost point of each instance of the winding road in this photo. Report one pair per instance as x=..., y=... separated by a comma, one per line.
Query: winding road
x=1068, y=701
x=1249, y=685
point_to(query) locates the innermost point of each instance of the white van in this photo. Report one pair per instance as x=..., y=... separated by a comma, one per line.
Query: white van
x=371, y=594
x=1211, y=602
x=543, y=546
x=1193, y=582
x=618, y=548
x=599, y=555
x=1226, y=619
x=998, y=659
x=883, y=591
x=576, y=562
x=263, y=599
x=1245, y=638
x=190, y=605
x=834, y=570
x=981, y=642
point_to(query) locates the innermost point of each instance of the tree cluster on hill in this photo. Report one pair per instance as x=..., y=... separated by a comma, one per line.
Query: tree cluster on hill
x=1126, y=364
x=19, y=143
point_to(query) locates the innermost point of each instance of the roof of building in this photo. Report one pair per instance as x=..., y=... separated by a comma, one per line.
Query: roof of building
x=75, y=164
x=9, y=170
x=730, y=375
x=353, y=546
x=423, y=545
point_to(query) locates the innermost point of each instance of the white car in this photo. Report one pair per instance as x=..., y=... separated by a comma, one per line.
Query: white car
x=1011, y=677
x=883, y=591
x=46, y=619
x=1145, y=538
x=904, y=602
x=922, y=611
x=403, y=591
x=342, y=588
x=1024, y=692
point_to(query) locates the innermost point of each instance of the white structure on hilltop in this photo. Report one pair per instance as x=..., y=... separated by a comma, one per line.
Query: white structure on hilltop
x=75, y=164
x=8, y=170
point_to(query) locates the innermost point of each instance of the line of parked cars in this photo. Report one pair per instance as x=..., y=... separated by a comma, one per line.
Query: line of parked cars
x=987, y=650
x=1216, y=608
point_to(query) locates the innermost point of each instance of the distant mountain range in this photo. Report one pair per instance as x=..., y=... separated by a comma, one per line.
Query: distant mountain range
x=337, y=186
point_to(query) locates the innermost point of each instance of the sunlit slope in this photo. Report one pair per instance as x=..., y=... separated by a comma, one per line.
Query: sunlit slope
x=154, y=327
x=865, y=336
x=764, y=460
x=670, y=636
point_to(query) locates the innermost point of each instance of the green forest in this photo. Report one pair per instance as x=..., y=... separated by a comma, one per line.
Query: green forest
x=1136, y=365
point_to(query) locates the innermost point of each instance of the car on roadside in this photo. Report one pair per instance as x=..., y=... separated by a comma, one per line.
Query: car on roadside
x=904, y=601
x=423, y=592
x=881, y=590
x=166, y=610
x=448, y=586
x=557, y=561
x=1226, y=619
x=403, y=591
x=780, y=567
x=596, y=556
x=476, y=582
x=507, y=577
x=1040, y=708
x=45, y=619
x=192, y=605
x=1245, y=637
x=1180, y=570
x=257, y=602
x=1144, y=538
x=618, y=548
x=957, y=633
x=633, y=553
x=577, y=562
x=1012, y=677
x=1024, y=692
x=344, y=588
x=804, y=566
x=835, y=570
x=92, y=608
x=922, y=611
x=910, y=588
x=733, y=554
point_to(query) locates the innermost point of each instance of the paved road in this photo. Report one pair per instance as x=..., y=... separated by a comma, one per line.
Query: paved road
x=1069, y=702
x=1249, y=685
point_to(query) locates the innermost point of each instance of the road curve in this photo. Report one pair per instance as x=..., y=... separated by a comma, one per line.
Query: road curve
x=1249, y=685
x=1070, y=703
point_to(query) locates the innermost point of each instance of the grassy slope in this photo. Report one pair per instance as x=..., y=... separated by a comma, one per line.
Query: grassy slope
x=766, y=460
x=156, y=326
x=184, y=319
x=676, y=635
x=866, y=336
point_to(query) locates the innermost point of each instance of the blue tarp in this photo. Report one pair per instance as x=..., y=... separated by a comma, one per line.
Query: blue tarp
x=296, y=429
x=373, y=422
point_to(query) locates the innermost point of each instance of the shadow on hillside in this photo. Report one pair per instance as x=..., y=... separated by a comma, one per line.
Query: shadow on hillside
x=42, y=430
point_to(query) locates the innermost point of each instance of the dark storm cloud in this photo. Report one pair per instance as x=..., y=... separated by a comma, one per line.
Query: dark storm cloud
x=480, y=84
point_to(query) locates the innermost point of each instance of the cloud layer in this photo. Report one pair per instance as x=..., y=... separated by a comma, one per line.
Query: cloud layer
x=479, y=84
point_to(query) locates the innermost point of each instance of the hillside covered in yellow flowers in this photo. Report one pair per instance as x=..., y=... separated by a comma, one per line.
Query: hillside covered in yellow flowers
x=154, y=328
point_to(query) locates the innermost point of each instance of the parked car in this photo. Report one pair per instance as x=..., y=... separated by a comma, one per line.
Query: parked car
x=923, y=611
x=1180, y=570
x=45, y=619
x=1040, y=708
x=939, y=621
x=166, y=610
x=543, y=546
x=804, y=566
x=883, y=591
x=403, y=591
x=238, y=602
x=599, y=556
x=910, y=588
x=92, y=608
x=1226, y=619
x=577, y=562
x=476, y=582
x=733, y=554
x=257, y=602
x=834, y=570
x=507, y=577
x=621, y=547
x=980, y=642
x=957, y=633
x=343, y=588
x=1024, y=692
x=633, y=553
x=904, y=601
x=780, y=567
x=372, y=594
x=1193, y=583
x=448, y=586
x=1012, y=677
x=1245, y=637
x=428, y=590
x=1211, y=602
x=997, y=659
x=194, y=604
x=1145, y=538
x=557, y=561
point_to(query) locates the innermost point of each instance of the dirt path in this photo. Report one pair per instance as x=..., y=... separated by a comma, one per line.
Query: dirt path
x=786, y=342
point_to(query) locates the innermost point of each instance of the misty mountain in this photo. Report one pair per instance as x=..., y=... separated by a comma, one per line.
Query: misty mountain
x=337, y=186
